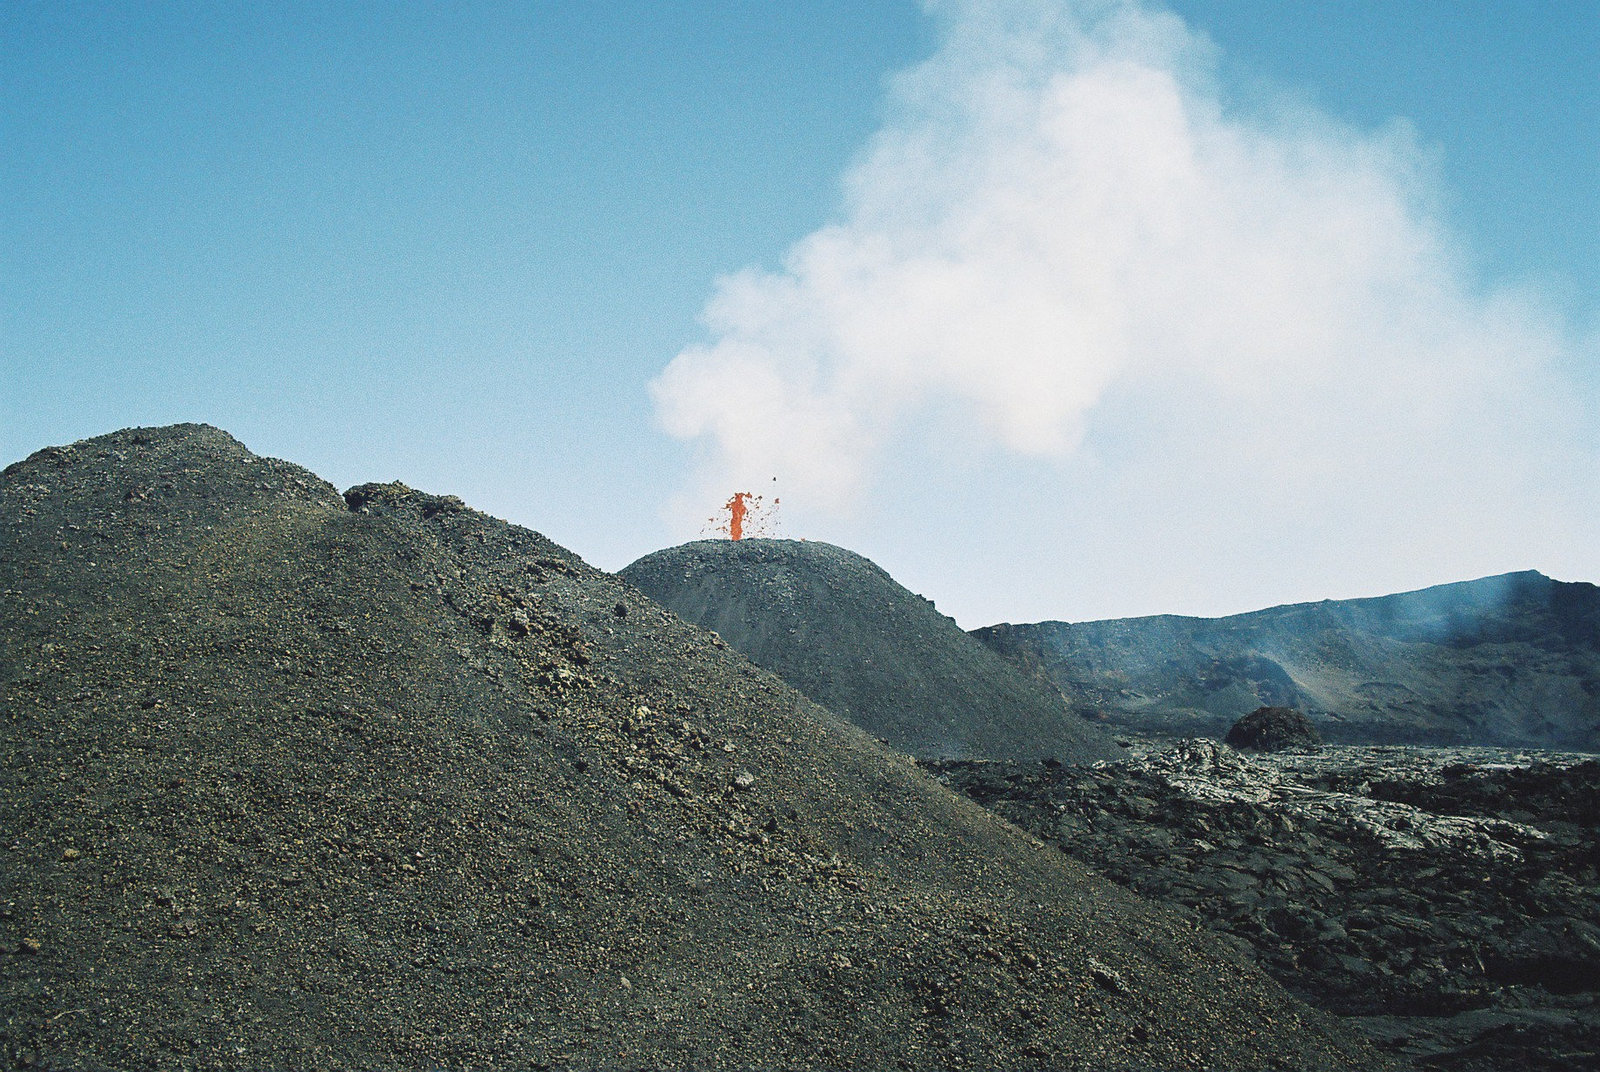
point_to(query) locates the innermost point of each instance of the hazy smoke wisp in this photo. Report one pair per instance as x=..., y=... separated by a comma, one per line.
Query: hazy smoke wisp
x=1064, y=237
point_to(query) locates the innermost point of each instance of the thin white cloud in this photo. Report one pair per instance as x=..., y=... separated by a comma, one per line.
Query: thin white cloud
x=1065, y=238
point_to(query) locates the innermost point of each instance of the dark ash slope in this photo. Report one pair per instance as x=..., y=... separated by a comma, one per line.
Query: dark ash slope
x=838, y=628
x=287, y=784
x=1511, y=661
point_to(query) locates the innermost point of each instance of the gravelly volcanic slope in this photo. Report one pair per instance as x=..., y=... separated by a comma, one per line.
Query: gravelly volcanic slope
x=838, y=628
x=290, y=780
x=1510, y=661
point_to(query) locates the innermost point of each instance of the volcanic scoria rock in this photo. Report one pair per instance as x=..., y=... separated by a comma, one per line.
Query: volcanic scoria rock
x=1274, y=729
x=380, y=782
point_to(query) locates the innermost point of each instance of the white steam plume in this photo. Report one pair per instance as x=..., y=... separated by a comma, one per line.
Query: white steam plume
x=1063, y=237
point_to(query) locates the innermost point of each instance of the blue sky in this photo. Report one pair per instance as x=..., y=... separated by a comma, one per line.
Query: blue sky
x=458, y=245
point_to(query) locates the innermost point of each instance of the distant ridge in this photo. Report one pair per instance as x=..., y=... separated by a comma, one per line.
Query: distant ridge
x=290, y=779
x=838, y=628
x=1508, y=660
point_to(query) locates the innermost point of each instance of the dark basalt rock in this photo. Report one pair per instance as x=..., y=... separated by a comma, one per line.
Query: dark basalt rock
x=1274, y=729
x=1446, y=901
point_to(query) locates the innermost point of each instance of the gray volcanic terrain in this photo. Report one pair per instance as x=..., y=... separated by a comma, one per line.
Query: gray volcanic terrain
x=838, y=628
x=1444, y=900
x=290, y=779
x=1510, y=661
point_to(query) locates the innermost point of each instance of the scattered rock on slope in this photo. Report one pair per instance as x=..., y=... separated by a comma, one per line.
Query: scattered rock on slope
x=839, y=629
x=295, y=780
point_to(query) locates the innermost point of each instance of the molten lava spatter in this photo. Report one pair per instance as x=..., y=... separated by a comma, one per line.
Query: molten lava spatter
x=736, y=508
x=744, y=515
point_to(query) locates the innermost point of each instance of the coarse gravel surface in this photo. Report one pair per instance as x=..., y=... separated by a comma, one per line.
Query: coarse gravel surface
x=838, y=628
x=290, y=779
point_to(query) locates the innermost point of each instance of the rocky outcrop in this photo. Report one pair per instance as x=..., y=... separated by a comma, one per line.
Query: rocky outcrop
x=1274, y=729
x=1512, y=661
x=839, y=629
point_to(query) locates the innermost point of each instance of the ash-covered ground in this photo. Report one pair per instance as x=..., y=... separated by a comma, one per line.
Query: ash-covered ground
x=1445, y=901
x=838, y=628
x=290, y=779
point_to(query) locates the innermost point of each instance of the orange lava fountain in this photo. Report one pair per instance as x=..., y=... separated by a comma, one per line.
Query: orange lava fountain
x=744, y=516
x=736, y=507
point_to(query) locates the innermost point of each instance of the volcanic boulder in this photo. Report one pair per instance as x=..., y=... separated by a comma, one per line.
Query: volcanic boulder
x=838, y=628
x=293, y=780
x=1274, y=729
